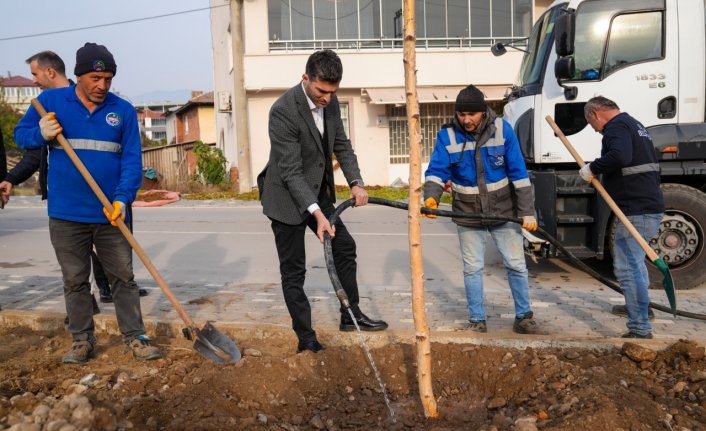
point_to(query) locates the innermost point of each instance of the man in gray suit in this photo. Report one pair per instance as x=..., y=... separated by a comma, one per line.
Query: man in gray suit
x=297, y=190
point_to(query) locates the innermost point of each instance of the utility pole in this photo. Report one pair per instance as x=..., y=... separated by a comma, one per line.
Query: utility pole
x=240, y=102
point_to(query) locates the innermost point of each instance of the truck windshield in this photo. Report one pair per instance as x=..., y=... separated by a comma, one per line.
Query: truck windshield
x=538, y=48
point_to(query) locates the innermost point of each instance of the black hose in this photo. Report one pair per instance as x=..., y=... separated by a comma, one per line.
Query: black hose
x=343, y=298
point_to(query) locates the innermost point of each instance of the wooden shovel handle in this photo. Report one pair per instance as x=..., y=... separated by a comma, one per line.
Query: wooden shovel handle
x=640, y=240
x=121, y=224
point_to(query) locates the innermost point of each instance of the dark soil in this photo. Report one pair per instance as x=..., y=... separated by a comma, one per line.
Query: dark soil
x=273, y=388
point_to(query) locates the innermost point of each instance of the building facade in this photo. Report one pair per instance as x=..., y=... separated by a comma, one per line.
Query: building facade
x=18, y=91
x=260, y=48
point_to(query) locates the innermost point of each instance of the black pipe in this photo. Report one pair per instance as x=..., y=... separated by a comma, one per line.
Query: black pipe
x=343, y=298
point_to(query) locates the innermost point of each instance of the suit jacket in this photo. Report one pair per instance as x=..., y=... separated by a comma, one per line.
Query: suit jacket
x=290, y=182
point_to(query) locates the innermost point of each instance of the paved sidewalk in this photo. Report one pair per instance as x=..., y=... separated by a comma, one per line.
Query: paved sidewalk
x=575, y=312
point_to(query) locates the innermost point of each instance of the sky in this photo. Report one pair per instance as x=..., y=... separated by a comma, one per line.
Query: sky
x=169, y=54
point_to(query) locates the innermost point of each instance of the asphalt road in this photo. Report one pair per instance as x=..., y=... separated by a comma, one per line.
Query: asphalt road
x=218, y=244
x=220, y=260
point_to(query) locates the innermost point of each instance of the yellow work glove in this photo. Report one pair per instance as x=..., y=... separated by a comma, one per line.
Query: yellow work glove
x=431, y=204
x=118, y=211
x=49, y=127
x=529, y=223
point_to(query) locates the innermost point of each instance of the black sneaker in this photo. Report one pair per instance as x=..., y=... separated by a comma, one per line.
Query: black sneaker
x=631, y=334
x=622, y=311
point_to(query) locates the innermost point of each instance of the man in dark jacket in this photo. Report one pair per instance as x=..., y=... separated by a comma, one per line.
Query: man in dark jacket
x=298, y=190
x=631, y=175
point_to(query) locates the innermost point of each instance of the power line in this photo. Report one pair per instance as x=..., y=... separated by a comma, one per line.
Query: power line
x=110, y=23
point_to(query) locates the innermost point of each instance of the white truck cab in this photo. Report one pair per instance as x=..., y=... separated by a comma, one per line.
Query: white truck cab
x=649, y=56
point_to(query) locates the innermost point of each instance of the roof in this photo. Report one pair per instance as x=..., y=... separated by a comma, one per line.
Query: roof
x=201, y=100
x=148, y=113
x=16, y=81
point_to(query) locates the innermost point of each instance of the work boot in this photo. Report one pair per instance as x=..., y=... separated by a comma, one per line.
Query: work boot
x=80, y=352
x=141, y=349
x=631, y=334
x=526, y=325
x=478, y=326
x=622, y=311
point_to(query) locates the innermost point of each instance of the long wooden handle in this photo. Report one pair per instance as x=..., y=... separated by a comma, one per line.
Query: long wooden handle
x=640, y=240
x=121, y=224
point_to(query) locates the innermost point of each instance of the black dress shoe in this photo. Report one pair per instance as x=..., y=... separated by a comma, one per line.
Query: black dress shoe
x=314, y=346
x=143, y=292
x=106, y=298
x=365, y=323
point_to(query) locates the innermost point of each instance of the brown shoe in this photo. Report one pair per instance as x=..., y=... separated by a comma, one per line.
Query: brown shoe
x=478, y=326
x=526, y=325
x=80, y=352
x=141, y=349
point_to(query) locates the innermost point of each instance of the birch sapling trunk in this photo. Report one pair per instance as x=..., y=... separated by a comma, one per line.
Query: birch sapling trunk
x=421, y=326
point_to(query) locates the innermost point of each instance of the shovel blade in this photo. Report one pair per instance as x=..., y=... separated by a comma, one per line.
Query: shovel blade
x=214, y=345
x=668, y=284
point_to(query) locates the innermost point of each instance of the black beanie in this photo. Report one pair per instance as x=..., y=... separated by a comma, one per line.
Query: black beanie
x=94, y=58
x=471, y=99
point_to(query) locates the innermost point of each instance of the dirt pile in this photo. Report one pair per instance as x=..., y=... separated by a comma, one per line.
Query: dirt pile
x=272, y=388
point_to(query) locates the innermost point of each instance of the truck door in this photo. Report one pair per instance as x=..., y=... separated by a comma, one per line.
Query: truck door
x=623, y=51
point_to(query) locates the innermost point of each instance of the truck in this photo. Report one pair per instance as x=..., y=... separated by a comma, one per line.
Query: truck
x=649, y=56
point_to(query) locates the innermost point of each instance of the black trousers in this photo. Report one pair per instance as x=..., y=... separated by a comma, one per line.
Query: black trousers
x=292, y=267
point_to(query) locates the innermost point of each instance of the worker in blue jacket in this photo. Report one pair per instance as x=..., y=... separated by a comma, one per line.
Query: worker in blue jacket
x=102, y=128
x=479, y=154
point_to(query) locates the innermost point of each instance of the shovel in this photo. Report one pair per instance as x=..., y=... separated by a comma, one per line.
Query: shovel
x=210, y=342
x=668, y=281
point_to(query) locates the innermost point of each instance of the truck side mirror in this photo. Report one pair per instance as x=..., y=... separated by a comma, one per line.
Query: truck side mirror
x=564, y=34
x=498, y=49
x=564, y=68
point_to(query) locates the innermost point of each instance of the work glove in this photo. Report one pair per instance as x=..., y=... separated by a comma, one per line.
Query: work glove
x=49, y=127
x=585, y=172
x=529, y=223
x=118, y=211
x=431, y=204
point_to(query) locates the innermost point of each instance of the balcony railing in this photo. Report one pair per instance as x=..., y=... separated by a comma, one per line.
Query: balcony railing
x=385, y=44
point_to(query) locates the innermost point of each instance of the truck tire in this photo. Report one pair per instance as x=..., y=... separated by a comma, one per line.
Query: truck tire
x=681, y=237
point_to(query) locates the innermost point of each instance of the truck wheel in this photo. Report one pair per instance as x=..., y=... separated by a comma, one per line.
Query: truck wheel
x=681, y=236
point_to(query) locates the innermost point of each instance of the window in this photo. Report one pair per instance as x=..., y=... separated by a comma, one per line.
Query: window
x=345, y=118
x=185, y=121
x=634, y=38
x=601, y=27
x=158, y=122
x=363, y=24
x=431, y=117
